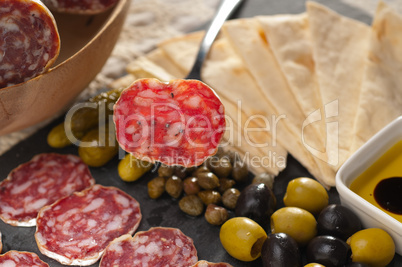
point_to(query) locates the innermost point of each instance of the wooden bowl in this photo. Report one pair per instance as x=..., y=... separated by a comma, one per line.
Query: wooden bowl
x=86, y=43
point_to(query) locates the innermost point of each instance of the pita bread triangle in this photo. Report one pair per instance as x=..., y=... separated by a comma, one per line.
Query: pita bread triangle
x=339, y=50
x=380, y=97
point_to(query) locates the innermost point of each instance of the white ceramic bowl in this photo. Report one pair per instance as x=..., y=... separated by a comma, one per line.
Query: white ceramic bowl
x=362, y=159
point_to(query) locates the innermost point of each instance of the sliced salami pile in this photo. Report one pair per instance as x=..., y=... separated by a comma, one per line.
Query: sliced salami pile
x=21, y=259
x=39, y=182
x=156, y=247
x=176, y=123
x=29, y=40
x=76, y=230
x=211, y=264
x=80, y=6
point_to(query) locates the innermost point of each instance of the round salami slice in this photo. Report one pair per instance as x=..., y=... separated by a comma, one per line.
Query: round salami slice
x=39, y=182
x=211, y=264
x=177, y=123
x=21, y=259
x=29, y=40
x=80, y=6
x=157, y=247
x=76, y=230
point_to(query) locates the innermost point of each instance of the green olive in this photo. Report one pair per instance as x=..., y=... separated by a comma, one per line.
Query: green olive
x=191, y=205
x=242, y=238
x=240, y=171
x=156, y=187
x=131, y=169
x=216, y=215
x=372, y=246
x=306, y=193
x=296, y=222
x=174, y=186
x=210, y=197
x=208, y=180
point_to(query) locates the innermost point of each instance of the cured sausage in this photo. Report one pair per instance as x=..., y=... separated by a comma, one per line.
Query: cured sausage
x=76, y=230
x=29, y=40
x=80, y=6
x=21, y=259
x=177, y=123
x=211, y=264
x=39, y=182
x=157, y=247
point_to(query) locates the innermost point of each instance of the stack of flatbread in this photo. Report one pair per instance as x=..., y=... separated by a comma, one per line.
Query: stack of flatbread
x=316, y=85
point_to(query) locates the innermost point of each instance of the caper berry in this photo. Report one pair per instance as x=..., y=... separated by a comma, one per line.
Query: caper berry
x=191, y=205
x=156, y=187
x=174, y=186
x=216, y=215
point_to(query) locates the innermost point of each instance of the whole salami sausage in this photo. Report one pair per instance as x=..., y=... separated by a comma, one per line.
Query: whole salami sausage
x=21, y=259
x=177, y=123
x=76, y=230
x=29, y=40
x=80, y=6
x=39, y=182
x=211, y=264
x=157, y=247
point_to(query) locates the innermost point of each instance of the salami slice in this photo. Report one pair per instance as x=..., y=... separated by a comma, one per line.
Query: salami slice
x=21, y=259
x=80, y=6
x=211, y=264
x=176, y=123
x=39, y=182
x=29, y=40
x=157, y=247
x=76, y=230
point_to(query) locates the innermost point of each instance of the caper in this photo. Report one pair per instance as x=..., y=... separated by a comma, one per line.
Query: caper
x=223, y=168
x=202, y=168
x=174, y=186
x=180, y=172
x=265, y=178
x=212, y=162
x=210, y=197
x=191, y=205
x=156, y=187
x=216, y=215
x=208, y=180
x=229, y=198
x=240, y=171
x=225, y=184
x=191, y=186
x=165, y=171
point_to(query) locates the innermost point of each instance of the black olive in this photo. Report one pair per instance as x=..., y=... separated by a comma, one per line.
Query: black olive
x=337, y=220
x=280, y=250
x=328, y=250
x=257, y=202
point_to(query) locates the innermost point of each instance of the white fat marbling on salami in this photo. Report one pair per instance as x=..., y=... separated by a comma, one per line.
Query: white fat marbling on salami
x=21, y=259
x=39, y=182
x=75, y=230
x=176, y=123
x=80, y=6
x=157, y=247
x=29, y=40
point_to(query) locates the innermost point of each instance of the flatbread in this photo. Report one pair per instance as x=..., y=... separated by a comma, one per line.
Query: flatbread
x=289, y=39
x=381, y=98
x=246, y=37
x=339, y=47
